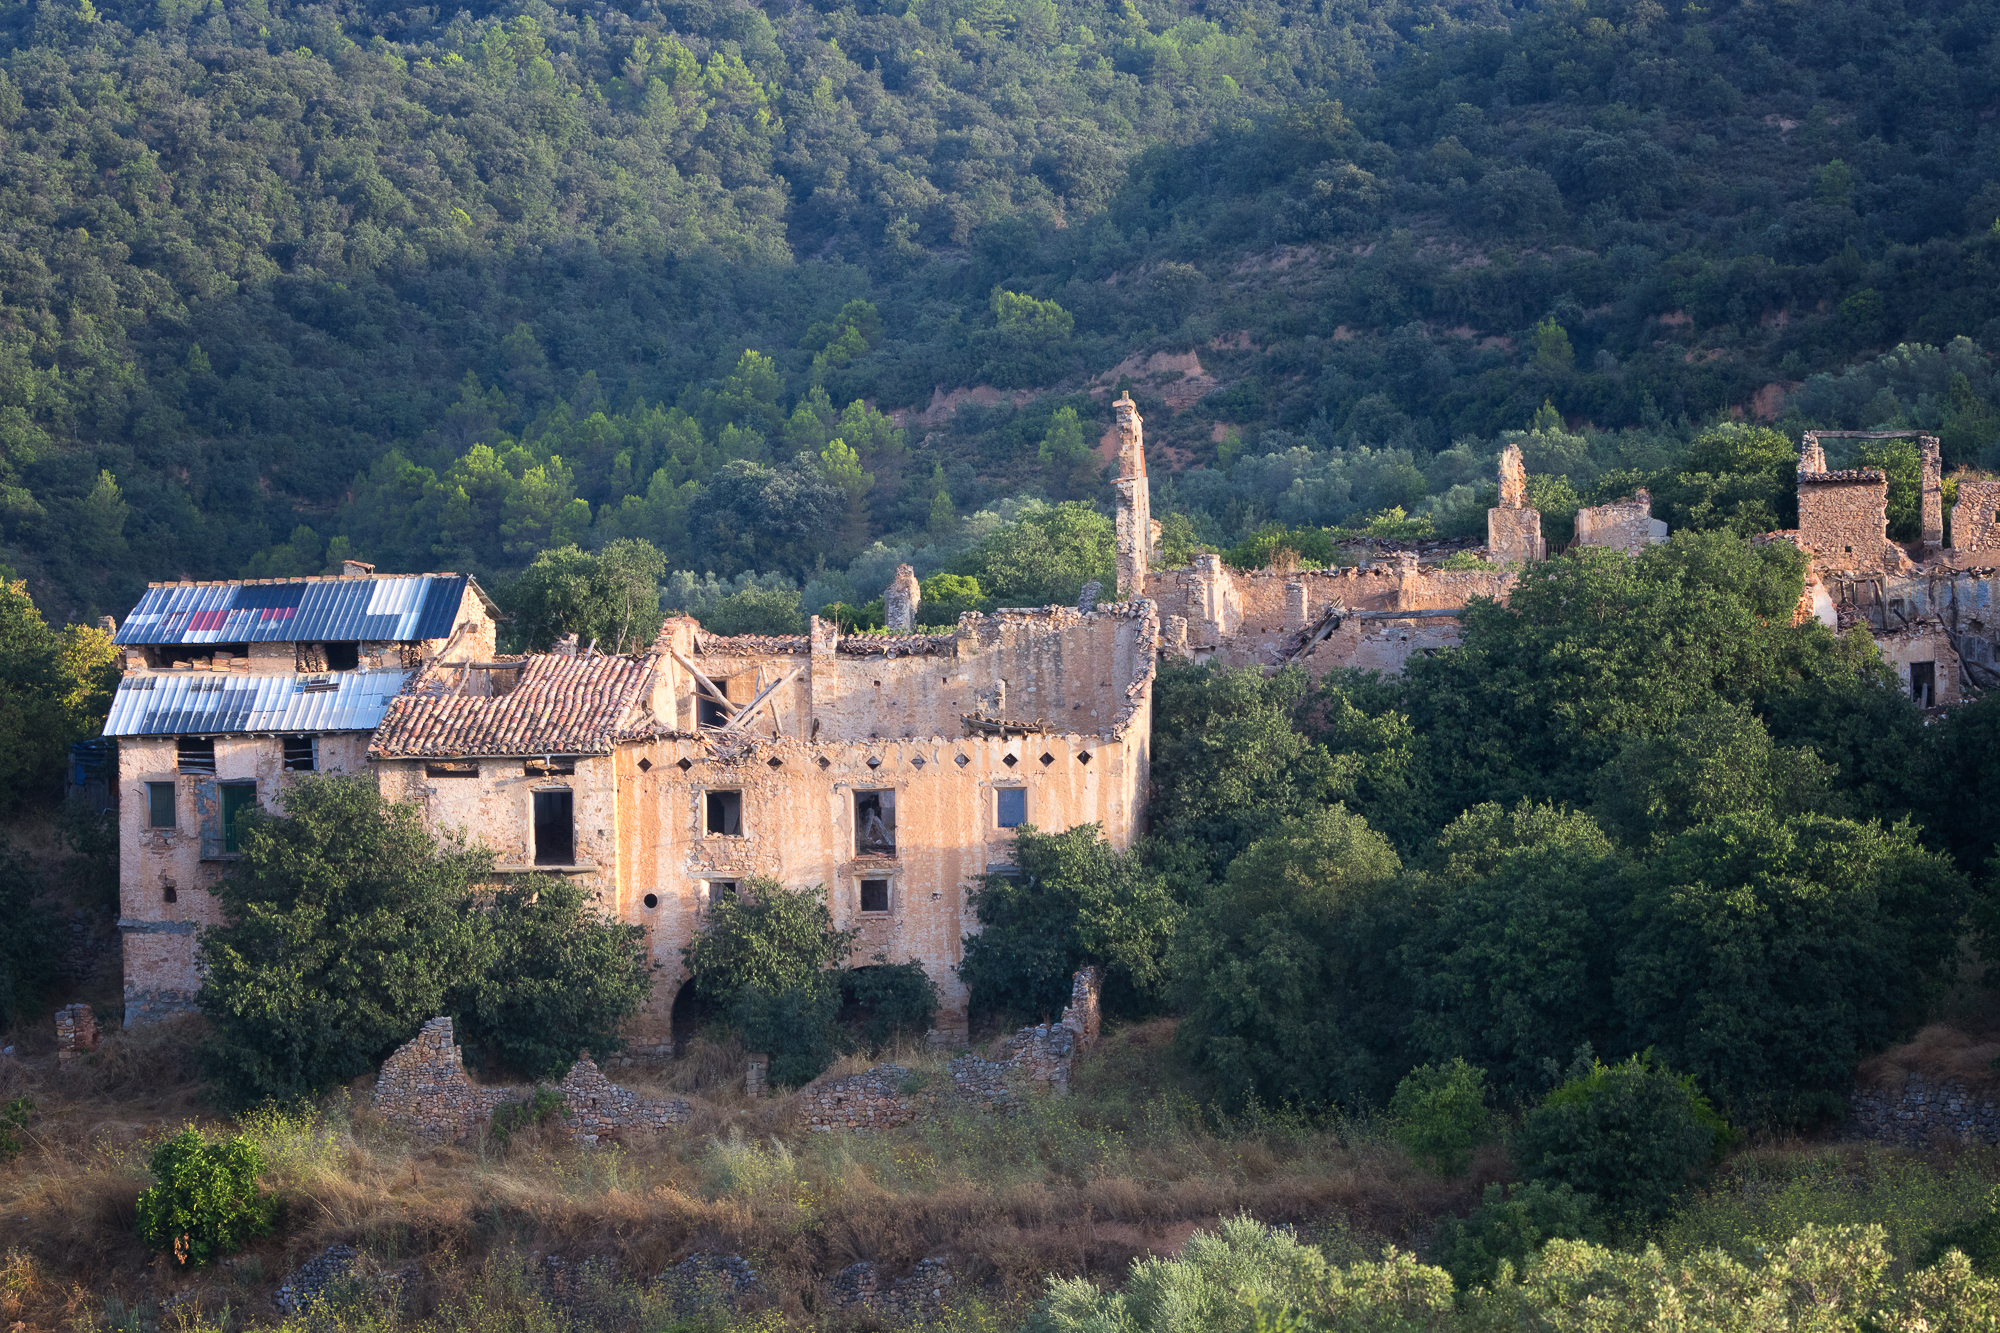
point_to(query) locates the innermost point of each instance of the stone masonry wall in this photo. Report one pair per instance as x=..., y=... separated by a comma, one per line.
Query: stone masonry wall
x=1626, y=526
x=1844, y=517
x=1975, y=518
x=423, y=1087
x=1920, y=1111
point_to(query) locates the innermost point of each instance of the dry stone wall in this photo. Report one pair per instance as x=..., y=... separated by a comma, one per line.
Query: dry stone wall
x=1921, y=1110
x=424, y=1088
x=76, y=1032
x=1844, y=517
x=1975, y=518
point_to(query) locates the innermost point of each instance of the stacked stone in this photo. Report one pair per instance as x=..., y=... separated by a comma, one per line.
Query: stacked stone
x=870, y=1100
x=596, y=1108
x=1082, y=1015
x=1043, y=1054
x=900, y=601
x=76, y=1032
x=705, y=1281
x=983, y=1085
x=921, y=1294
x=309, y=1281
x=1923, y=1109
x=424, y=1088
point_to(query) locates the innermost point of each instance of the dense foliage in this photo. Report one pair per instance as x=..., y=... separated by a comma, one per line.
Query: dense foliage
x=204, y=1201
x=55, y=687
x=346, y=926
x=292, y=282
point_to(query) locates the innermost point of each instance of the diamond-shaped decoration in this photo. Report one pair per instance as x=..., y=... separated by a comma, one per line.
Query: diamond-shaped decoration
x=824, y=762
x=645, y=765
x=918, y=761
x=874, y=762
x=961, y=761
x=775, y=762
x=1047, y=759
x=1083, y=757
x=1010, y=761
x=685, y=765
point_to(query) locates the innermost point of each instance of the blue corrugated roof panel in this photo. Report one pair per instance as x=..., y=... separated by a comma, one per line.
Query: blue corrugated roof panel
x=214, y=704
x=395, y=608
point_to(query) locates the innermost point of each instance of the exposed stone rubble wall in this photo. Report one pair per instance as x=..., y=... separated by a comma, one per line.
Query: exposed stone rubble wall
x=1844, y=517
x=76, y=1032
x=423, y=1087
x=1134, y=529
x=900, y=601
x=1932, y=497
x=922, y=1293
x=1628, y=525
x=1922, y=1110
x=1975, y=517
x=1513, y=530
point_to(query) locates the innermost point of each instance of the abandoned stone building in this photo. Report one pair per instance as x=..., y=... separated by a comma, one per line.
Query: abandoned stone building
x=231, y=689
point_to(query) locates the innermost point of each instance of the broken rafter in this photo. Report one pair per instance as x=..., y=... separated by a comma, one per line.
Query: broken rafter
x=706, y=683
x=743, y=717
x=975, y=725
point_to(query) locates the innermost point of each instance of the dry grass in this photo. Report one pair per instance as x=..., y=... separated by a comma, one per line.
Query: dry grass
x=1129, y=1165
x=1940, y=1053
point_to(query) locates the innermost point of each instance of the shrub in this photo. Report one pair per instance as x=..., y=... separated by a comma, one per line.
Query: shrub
x=1978, y=1240
x=205, y=1203
x=1512, y=1226
x=1277, y=545
x=770, y=936
x=543, y=1105
x=1635, y=1134
x=1465, y=560
x=795, y=1024
x=1439, y=1115
x=889, y=1002
x=13, y=1120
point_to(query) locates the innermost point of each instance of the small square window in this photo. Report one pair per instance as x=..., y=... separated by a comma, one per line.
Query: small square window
x=160, y=807
x=302, y=753
x=195, y=756
x=1013, y=806
x=725, y=813
x=874, y=895
x=170, y=894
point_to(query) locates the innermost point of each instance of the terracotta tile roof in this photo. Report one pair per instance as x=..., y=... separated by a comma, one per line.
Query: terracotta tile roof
x=562, y=705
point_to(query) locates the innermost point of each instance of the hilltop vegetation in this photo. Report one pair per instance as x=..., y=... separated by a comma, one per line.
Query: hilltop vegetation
x=287, y=282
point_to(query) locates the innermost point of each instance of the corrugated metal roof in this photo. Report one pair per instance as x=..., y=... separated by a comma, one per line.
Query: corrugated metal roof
x=396, y=608
x=215, y=704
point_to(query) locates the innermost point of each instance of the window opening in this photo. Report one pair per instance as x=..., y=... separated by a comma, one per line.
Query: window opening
x=343, y=656
x=452, y=768
x=540, y=768
x=708, y=713
x=1923, y=683
x=237, y=797
x=302, y=753
x=170, y=894
x=555, y=828
x=725, y=812
x=874, y=895
x=875, y=823
x=195, y=756
x=160, y=805
x=1013, y=806
x=715, y=890
x=652, y=900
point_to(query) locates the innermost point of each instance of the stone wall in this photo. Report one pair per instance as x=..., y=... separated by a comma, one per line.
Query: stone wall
x=1975, y=517
x=76, y=1032
x=1514, y=537
x=423, y=1087
x=1628, y=525
x=1844, y=517
x=1922, y=1110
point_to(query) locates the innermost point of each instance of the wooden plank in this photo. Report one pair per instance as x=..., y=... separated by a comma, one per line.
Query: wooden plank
x=705, y=683
x=742, y=717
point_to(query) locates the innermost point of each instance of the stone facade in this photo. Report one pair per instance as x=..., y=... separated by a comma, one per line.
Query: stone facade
x=1921, y=1111
x=1931, y=494
x=423, y=1087
x=900, y=601
x=1627, y=526
x=1844, y=517
x=1513, y=530
x=76, y=1032
x=1134, y=527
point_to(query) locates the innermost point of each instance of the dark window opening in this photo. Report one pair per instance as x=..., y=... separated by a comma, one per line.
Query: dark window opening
x=709, y=713
x=875, y=823
x=1013, y=806
x=453, y=768
x=237, y=797
x=343, y=656
x=725, y=812
x=874, y=895
x=170, y=894
x=302, y=753
x=539, y=768
x=652, y=900
x=555, y=829
x=718, y=889
x=160, y=805
x=194, y=756
x=1923, y=683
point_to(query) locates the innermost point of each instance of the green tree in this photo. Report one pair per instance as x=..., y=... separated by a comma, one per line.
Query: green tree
x=1635, y=1136
x=1768, y=955
x=1710, y=764
x=755, y=611
x=1438, y=1113
x=769, y=936
x=55, y=688
x=946, y=597
x=1072, y=900
x=1904, y=466
x=28, y=953
x=1510, y=1226
x=612, y=597
x=1287, y=994
x=1046, y=557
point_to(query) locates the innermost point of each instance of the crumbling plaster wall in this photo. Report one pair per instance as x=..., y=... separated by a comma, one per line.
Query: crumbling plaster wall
x=495, y=808
x=161, y=972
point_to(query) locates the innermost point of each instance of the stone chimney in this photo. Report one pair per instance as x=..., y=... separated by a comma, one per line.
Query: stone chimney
x=1135, y=502
x=1933, y=494
x=1812, y=458
x=1514, y=531
x=900, y=601
x=354, y=569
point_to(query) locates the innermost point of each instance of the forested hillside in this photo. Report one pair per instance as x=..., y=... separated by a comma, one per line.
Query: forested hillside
x=441, y=289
